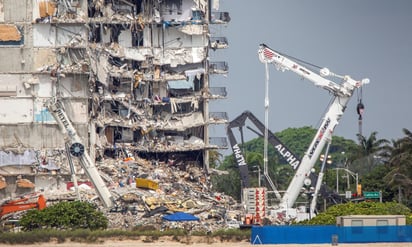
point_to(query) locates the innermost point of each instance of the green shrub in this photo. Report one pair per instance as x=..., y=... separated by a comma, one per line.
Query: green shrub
x=65, y=215
x=363, y=208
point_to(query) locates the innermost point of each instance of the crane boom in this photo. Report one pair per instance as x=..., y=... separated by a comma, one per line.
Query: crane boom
x=341, y=95
x=77, y=149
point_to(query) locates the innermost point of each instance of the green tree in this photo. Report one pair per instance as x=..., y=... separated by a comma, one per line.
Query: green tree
x=65, y=215
x=297, y=139
x=367, y=155
x=215, y=158
x=400, y=163
x=363, y=208
x=230, y=183
x=373, y=182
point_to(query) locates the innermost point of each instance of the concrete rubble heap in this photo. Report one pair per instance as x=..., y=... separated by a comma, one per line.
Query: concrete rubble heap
x=180, y=188
x=135, y=79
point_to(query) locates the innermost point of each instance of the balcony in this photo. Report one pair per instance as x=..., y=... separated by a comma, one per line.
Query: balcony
x=218, y=67
x=218, y=142
x=218, y=117
x=217, y=93
x=218, y=43
x=219, y=18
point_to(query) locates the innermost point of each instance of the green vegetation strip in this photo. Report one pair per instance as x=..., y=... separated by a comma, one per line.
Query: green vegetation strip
x=88, y=236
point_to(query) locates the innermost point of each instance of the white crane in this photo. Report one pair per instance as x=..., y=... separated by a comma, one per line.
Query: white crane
x=342, y=92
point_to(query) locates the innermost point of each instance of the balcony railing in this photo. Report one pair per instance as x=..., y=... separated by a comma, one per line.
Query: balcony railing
x=218, y=43
x=218, y=116
x=218, y=67
x=220, y=142
x=220, y=18
x=218, y=92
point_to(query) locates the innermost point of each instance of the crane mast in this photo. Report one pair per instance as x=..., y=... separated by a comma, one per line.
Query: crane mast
x=341, y=95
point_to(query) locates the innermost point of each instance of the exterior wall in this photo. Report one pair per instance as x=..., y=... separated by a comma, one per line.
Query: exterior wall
x=15, y=11
x=371, y=220
x=34, y=136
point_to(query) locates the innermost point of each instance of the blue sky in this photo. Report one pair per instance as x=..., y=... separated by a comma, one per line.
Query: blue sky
x=361, y=38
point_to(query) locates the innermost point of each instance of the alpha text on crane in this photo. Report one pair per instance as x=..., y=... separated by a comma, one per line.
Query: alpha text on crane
x=292, y=160
x=240, y=159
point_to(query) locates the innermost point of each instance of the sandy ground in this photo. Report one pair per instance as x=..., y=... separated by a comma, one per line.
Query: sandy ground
x=134, y=243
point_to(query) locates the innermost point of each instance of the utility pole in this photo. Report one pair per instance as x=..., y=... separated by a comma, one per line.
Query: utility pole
x=337, y=181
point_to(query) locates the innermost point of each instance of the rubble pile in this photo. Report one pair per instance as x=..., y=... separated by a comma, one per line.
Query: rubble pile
x=179, y=188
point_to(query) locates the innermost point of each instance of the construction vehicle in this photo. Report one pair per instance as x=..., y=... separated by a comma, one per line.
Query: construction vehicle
x=292, y=159
x=251, y=216
x=77, y=149
x=283, y=150
x=341, y=92
x=22, y=204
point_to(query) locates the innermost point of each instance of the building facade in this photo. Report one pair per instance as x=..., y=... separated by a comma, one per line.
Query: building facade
x=133, y=77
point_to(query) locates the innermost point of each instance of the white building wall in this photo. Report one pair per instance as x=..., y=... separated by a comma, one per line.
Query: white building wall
x=46, y=35
x=15, y=11
x=14, y=110
x=1, y=11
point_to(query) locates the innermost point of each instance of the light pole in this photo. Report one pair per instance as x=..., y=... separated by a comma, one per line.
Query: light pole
x=337, y=181
x=349, y=172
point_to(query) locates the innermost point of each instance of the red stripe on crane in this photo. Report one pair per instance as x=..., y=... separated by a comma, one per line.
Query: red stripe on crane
x=268, y=54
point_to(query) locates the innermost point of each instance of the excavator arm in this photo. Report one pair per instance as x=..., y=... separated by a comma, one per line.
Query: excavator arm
x=21, y=205
x=239, y=122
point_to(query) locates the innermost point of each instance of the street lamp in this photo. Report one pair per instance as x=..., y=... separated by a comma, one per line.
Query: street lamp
x=353, y=174
x=328, y=159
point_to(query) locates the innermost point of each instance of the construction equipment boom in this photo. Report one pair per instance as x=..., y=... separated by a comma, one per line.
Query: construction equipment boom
x=77, y=149
x=21, y=205
x=341, y=95
x=283, y=150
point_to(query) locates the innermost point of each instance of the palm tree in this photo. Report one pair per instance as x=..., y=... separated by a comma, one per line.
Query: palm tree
x=215, y=158
x=400, y=163
x=369, y=149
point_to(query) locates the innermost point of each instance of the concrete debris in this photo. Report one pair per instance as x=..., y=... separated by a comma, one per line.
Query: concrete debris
x=169, y=187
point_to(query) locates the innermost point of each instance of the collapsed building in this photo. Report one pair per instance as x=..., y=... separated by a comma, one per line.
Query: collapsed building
x=134, y=77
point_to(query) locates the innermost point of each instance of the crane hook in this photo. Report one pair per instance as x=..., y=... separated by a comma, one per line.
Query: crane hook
x=360, y=108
